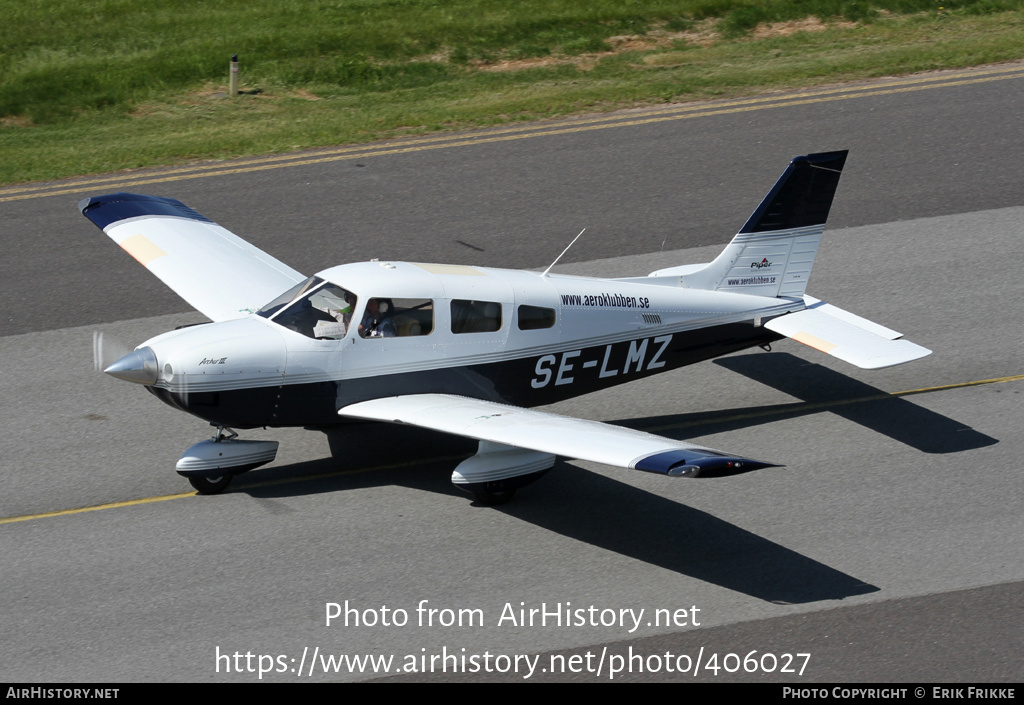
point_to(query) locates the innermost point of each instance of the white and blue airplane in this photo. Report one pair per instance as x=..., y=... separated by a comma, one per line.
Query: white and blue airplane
x=470, y=350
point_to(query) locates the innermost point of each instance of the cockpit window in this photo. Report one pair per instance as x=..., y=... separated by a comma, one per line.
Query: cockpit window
x=391, y=318
x=315, y=308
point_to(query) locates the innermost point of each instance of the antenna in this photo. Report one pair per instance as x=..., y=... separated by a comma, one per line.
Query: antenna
x=563, y=252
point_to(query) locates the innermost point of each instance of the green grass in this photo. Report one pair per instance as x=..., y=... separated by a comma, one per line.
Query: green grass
x=115, y=84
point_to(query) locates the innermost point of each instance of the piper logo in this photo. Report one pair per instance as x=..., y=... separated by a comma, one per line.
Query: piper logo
x=760, y=265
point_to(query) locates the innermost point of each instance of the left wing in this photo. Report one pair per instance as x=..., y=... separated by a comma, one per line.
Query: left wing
x=215, y=271
x=551, y=433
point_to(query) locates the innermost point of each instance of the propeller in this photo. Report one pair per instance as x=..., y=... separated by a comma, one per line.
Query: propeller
x=119, y=360
x=107, y=349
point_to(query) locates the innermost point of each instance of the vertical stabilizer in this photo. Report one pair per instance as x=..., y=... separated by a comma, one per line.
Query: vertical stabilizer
x=773, y=252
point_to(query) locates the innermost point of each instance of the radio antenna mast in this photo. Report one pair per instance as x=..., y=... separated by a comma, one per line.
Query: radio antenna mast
x=563, y=252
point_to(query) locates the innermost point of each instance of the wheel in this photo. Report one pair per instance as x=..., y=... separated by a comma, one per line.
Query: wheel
x=492, y=499
x=210, y=485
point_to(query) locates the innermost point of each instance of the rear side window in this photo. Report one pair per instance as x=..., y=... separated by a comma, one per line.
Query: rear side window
x=475, y=316
x=535, y=317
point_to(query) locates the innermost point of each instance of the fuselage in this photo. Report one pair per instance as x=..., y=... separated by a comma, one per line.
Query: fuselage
x=378, y=329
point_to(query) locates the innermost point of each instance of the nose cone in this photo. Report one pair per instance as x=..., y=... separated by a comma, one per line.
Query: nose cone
x=138, y=366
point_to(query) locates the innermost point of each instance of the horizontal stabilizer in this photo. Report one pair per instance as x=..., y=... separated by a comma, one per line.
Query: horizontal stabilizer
x=552, y=433
x=846, y=336
x=214, y=270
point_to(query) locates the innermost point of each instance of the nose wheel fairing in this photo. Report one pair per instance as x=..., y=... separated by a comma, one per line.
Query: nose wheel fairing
x=209, y=465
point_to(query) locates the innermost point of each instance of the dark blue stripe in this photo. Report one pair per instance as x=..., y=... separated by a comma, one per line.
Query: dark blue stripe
x=802, y=196
x=698, y=463
x=105, y=210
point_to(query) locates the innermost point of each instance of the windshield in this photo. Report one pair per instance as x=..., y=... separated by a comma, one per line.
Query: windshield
x=315, y=308
x=287, y=297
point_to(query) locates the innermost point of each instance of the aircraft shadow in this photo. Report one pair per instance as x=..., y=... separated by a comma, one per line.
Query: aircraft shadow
x=822, y=389
x=575, y=503
x=618, y=517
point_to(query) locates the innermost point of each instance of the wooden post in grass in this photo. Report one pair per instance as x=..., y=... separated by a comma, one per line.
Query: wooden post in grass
x=233, y=89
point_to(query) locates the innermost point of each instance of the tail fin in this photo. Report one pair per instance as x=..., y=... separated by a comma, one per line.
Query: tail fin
x=773, y=252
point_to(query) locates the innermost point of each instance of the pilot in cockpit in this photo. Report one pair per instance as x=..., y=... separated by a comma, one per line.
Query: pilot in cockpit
x=377, y=321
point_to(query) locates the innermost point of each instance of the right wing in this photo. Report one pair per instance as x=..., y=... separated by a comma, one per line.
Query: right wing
x=551, y=433
x=215, y=271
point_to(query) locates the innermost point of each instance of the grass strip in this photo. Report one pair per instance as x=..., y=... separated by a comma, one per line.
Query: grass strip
x=120, y=85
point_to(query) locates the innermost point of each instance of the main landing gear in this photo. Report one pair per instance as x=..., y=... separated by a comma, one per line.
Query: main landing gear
x=210, y=485
x=494, y=474
x=210, y=464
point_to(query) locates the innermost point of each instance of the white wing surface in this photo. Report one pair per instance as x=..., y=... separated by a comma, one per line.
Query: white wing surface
x=215, y=271
x=551, y=433
x=846, y=336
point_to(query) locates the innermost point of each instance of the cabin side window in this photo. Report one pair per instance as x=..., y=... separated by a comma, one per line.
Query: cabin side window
x=397, y=318
x=475, y=316
x=535, y=317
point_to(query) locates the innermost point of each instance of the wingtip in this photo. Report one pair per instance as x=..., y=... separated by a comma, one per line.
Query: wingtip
x=699, y=463
x=111, y=208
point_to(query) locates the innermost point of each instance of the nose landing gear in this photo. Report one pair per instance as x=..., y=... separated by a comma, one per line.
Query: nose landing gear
x=210, y=465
